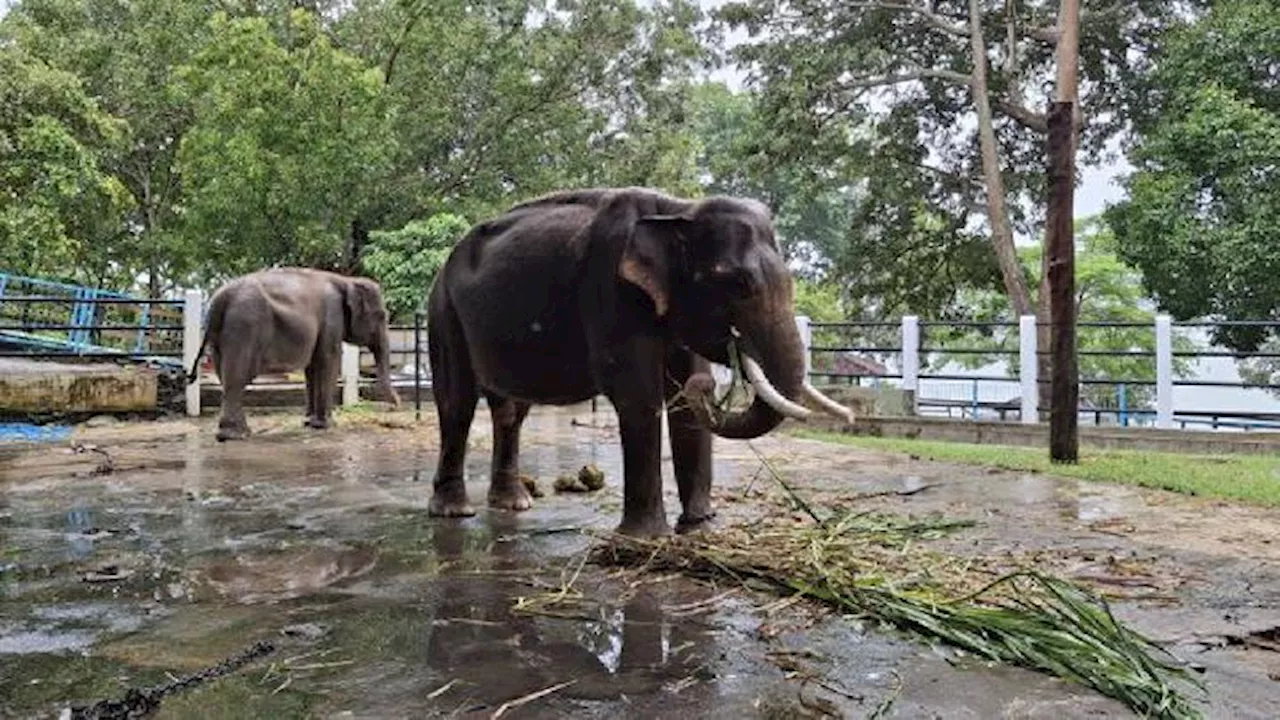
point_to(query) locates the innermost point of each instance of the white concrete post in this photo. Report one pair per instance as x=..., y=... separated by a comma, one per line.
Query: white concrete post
x=1027, y=369
x=1164, y=371
x=806, y=342
x=911, y=353
x=350, y=374
x=192, y=336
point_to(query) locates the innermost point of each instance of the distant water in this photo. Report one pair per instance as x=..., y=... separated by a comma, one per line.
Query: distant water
x=27, y=432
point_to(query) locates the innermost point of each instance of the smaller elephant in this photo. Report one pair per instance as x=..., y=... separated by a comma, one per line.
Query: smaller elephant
x=282, y=319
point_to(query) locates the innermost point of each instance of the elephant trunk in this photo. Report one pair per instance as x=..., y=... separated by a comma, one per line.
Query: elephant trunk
x=381, y=349
x=773, y=361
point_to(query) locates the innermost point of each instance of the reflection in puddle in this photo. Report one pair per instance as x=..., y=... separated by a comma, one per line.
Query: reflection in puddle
x=65, y=627
x=251, y=578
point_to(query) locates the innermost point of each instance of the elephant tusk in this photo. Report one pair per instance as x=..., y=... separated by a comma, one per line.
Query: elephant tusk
x=831, y=406
x=769, y=393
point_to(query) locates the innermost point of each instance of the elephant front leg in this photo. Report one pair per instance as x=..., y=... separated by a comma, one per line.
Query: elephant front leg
x=636, y=390
x=643, y=513
x=690, y=446
x=506, y=492
x=322, y=377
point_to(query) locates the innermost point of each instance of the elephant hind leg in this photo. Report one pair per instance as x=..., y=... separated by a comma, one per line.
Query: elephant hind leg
x=454, y=386
x=235, y=372
x=310, y=374
x=506, y=492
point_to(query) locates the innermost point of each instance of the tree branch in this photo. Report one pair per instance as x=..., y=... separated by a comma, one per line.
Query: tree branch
x=935, y=21
x=883, y=80
x=388, y=68
x=1023, y=115
x=1049, y=35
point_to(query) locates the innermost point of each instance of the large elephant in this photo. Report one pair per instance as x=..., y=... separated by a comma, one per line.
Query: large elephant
x=625, y=292
x=282, y=319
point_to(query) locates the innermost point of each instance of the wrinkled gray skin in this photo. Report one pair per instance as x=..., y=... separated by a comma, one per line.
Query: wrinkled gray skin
x=283, y=319
x=626, y=292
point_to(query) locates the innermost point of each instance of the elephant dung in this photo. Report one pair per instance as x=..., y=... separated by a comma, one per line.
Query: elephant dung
x=589, y=479
x=592, y=477
x=532, y=486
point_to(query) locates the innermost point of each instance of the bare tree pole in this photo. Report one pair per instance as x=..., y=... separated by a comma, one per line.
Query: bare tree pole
x=1064, y=437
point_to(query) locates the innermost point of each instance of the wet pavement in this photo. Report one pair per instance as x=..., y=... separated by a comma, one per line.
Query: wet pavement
x=150, y=551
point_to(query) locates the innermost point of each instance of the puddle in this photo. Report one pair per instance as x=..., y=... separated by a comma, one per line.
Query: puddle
x=322, y=544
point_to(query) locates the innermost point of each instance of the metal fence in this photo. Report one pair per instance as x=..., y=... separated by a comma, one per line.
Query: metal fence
x=973, y=370
x=1154, y=370
x=44, y=319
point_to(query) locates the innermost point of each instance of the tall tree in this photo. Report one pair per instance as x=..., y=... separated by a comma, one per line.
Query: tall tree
x=60, y=207
x=503, y=100
x=288, y=136
x=942, y=102
x=1203, y=216
x=125, y=52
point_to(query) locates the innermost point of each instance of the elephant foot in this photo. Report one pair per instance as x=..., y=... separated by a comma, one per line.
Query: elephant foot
x=509, y=494
x=645, y=527
x=316, y=423
x=232, y=432
x=450, y=500
x=692, y=525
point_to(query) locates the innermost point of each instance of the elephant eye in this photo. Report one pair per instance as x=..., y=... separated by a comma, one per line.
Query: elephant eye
x=733, y=282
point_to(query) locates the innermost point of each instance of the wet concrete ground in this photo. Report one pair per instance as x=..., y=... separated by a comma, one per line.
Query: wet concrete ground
x=152, y=551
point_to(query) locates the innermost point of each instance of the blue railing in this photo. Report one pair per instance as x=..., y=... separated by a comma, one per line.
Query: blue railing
x=44, y=318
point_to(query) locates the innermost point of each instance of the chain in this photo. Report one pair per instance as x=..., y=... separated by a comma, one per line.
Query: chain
x=139, y=703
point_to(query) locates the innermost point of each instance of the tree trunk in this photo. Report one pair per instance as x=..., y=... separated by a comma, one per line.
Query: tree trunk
x=355, y=246
x=1015, y=282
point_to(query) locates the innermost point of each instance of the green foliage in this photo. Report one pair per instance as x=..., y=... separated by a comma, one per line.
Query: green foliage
x=819, y=301
x=276, y=132
x=126, y=55
x=1203, y=214
x=1107, y=290
x=59, y=203
x=289, y=136
x=880, y=92
x=406, y=261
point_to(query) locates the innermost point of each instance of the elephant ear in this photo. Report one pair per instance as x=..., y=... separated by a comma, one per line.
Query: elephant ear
x=646, y=261
x=360, y=301
x=624, y=244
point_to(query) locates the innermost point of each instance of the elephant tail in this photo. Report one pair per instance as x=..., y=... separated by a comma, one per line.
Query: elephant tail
x=214, y=320
x=195, y=364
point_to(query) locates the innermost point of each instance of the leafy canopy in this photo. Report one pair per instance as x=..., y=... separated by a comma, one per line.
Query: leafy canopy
x=57, y=201
x=1203, y=214
x=406, y=261
x=289, y=137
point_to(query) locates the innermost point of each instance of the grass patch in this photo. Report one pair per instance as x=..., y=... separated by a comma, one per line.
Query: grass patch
x=1253, y=479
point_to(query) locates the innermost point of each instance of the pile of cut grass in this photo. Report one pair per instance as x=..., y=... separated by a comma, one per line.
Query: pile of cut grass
x=876, y=566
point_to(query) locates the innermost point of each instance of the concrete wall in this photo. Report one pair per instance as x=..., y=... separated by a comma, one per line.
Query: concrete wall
x=30, y=387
